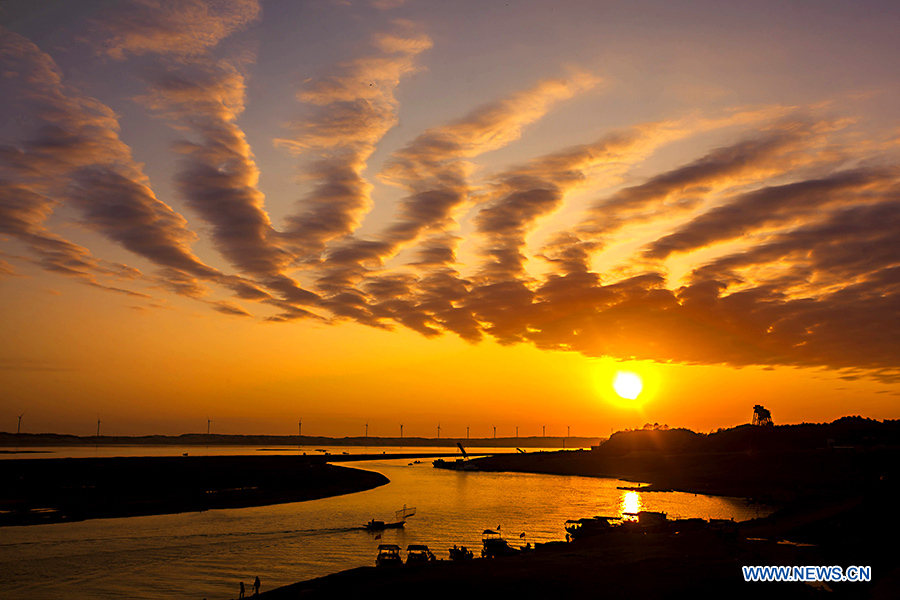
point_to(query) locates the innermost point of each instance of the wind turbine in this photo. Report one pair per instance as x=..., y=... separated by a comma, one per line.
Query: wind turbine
x=367, y=429
x=544, y=430
x=19, y=427
x=401, y=431
x=208, y=421
x=495, y=432
x=300, y=428
x=517, y=431
x=98, y=426
x=568, y=431
x=439, y=431
x=467, y=432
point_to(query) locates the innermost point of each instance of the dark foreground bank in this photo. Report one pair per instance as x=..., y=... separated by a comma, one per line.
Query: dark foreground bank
x=675, y=563
x=75, y=489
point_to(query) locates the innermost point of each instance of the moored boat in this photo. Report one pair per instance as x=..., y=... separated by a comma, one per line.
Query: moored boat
x=388, y=556
x=587, y=527
x=418, y=553
x=493, y=545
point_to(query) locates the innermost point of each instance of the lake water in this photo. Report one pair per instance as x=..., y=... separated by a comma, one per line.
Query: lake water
x=205, y=555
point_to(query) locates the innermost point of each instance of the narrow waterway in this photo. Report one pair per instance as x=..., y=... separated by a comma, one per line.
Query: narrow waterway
x=205, y=555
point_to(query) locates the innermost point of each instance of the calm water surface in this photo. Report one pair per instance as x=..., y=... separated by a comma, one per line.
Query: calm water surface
x=205, y=555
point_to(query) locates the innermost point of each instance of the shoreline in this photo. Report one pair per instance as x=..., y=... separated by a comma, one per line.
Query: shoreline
x=837, y=484
x=653, y=563
x=62, y=490
x=25, y=440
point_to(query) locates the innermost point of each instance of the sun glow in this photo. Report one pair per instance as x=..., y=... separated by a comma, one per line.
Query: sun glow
x=628, y=385
x=631, y=504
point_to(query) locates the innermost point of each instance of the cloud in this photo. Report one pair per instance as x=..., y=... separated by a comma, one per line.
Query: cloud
x=488, y=127
x=524, y=194
x=76, y=157
x=354, y=107
x=772, y=206
x=7, y=270
x=782, y=232
x=387, y=4
x=778, y=149
x=217, y=176
x=180, y=28
x=434, y=168
x=817, y=285
x=228, y=308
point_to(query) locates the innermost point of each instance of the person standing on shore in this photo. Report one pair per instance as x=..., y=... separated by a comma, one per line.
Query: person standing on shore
x=242, y=591
x=256, y=586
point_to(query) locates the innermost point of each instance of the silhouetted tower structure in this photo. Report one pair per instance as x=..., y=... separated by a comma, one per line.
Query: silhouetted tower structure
x=517, y=431
x=467, y=432
x=19, y=426
x=495, y=432
x=98, y=427
x=367, y=429
x=208, y=421
x=300, y=428
x=543, y=431
x=762, y=416
x=401, y=431
x=439, y=431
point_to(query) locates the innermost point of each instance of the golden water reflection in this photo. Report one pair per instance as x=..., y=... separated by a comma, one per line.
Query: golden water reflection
x=630, y=505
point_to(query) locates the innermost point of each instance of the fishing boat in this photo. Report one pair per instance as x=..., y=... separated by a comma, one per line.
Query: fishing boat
x=399, y=520
x=494, y=545
x=374, y=525
x=588, y=527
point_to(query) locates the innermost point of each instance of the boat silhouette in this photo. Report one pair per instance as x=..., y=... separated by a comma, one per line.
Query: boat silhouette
x=399, y=520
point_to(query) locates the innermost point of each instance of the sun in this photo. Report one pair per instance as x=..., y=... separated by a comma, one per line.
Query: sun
x=628, y=385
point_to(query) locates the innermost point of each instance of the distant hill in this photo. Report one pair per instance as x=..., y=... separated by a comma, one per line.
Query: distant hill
x=846, y=431
x=775, y=463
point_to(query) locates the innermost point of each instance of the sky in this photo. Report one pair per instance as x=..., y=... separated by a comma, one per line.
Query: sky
x=465, y=214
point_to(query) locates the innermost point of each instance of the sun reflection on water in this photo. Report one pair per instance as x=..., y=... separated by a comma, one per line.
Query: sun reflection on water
x=630, y=505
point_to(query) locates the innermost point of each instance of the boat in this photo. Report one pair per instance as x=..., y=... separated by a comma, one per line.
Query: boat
x=460, y=553
x=418, y=553
x=494, y=545
x=388, y=556
x=460, y=464
x=399, y=520
x=577, y=529
x=374, y=525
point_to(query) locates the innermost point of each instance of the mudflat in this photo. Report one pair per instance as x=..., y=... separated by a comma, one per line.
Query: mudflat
x=73, y=489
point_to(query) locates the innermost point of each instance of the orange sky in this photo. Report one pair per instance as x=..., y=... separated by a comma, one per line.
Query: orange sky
x=397, y=212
